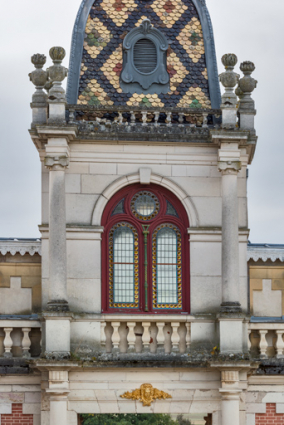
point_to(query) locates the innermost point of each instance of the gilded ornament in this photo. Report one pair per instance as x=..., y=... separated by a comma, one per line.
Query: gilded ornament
x=146, y=394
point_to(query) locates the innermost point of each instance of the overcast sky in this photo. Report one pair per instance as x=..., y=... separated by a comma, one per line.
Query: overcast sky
x=253, y=29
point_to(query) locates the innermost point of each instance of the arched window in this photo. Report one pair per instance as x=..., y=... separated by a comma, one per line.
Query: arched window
x=145, y=258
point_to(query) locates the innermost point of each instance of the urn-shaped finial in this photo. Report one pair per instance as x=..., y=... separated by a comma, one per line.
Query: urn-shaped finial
x=57, y=72
x=38, y=60
x=56, y=93
x=247, y=83
x=239, y=92
x=39, y=76
x=57, y=54
x=229, y=80
x=229, y=60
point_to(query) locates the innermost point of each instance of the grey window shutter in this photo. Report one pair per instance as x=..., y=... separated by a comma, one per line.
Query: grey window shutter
x=145, y=55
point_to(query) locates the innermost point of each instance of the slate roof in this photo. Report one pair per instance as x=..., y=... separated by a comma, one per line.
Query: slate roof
x=108, y=22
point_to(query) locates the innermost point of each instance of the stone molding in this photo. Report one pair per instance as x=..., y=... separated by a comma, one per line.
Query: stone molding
x=265, y=254
x=135, y=178
x=22, y=247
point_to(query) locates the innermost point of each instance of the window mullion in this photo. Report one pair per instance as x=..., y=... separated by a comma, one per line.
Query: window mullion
x=146, y=233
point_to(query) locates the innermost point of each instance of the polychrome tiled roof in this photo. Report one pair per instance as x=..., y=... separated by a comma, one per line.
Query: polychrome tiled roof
x=107, y=24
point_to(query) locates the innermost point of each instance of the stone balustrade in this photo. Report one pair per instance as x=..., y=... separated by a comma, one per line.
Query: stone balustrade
x=146, y=334
x=20, y=338
x=133, y=115
x=265, y=340
x=148, y=124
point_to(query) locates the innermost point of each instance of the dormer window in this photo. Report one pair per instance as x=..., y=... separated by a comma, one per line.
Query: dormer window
x=145, y=61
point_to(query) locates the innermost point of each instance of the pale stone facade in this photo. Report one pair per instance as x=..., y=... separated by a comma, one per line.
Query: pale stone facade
x=62, y=355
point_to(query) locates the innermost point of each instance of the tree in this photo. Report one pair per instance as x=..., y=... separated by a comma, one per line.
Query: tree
x=182, y=421
x=132, y=419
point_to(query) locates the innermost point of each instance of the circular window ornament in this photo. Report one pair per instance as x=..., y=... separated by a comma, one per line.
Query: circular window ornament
x=144, y=205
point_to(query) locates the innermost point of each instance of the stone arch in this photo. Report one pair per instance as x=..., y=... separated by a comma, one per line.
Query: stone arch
x=135, y=178
x=77, y=51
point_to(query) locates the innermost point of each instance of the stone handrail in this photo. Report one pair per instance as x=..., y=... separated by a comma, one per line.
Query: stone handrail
x=265, y=340
x=145, y=334
x=20, y=338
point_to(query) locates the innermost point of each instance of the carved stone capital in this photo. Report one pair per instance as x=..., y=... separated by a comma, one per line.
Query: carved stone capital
x=229, y=167
x=230, y=376
x=56, y=162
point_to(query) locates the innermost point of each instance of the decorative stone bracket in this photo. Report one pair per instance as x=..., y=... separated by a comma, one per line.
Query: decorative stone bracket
x=229, y=167
x=60, y=161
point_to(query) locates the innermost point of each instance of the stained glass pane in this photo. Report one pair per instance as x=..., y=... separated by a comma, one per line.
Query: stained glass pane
x=119, y=209
x=171, y=210
x=166, y=266
x=123, y=265
x=144, y=205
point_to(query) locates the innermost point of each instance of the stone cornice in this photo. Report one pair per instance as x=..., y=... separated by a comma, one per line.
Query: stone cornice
x=19, y=246
x=265, y=253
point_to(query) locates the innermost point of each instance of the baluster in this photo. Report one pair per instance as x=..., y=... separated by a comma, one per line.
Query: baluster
x=72, y=116
x=180, y=118
x=103, y=336
x=279, y=344
x=144, y=117
x=175, y=337
x=156, y=115
x=26, y=342
x=146, y=336
x=131, y=337
x=160, y=337
x=188, y=335
x=249, y=340
x=132, y=118
x=115, y=337
x=263, y=343
x=169, y=119
x=205, y=116
x=8, y=343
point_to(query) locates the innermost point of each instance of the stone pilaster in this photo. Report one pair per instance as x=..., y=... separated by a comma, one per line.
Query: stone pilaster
x=230, y=234
x=229, y=164
x=230, y=390
x=58, y=390
x=56, y=160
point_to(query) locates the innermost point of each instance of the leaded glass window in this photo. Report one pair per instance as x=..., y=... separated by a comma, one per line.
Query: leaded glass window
x=145, y=205
x=123, y=266
x=167, y=267
x=145, y=242
x=119, y=209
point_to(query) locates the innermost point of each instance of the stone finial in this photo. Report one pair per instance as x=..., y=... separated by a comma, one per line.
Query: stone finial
x=229, y=79
x=56, y=95
x=57, y=54
x=57, y=72
x=39, y=78
x=246, y=86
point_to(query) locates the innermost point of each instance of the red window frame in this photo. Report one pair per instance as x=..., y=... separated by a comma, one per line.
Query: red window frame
x=181, y=222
